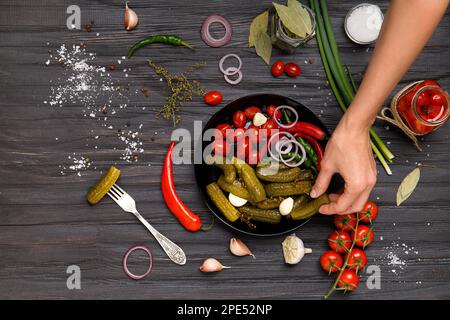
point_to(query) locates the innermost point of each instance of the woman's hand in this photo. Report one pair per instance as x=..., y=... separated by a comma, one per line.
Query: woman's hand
x=348, y=153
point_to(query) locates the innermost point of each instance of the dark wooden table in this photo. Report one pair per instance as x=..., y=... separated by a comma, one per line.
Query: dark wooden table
x=46, y=224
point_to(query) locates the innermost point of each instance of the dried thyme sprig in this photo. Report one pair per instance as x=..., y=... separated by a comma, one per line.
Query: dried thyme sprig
x=183, y=90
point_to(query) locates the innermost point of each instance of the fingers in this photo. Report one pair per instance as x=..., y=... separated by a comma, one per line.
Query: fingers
x=342, y=204
x=322, y=182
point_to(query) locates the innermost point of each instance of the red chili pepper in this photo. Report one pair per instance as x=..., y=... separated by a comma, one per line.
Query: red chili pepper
x=187, y=218
x=314, y=144
x=307, y=128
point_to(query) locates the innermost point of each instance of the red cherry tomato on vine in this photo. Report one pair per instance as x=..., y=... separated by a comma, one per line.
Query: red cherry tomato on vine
x=364, y=236
x=253, y=134
x=277, y=68
x=239, y=119
x=293, y=70
x=423, y=99
x=339, y=241
x=357, y=259
x=270, y=126
x=348, y=280
x=331, y=261
x=273, y=112
x=345, y=222
x=369, y=213
x=221, y=130
x=221, y=147
x=213, y=98
x=251, y=111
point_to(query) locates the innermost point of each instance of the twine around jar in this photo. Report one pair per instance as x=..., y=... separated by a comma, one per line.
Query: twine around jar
x=395, y=118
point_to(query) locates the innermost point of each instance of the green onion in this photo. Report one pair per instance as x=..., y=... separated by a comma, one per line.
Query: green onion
x=342, y=87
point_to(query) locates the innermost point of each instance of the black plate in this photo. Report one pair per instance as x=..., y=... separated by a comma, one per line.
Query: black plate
x=205, y=174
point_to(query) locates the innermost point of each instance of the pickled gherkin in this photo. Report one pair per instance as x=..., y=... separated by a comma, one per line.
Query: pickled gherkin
x=236, y=188
x=309, y=209
x=218, y=198
x=288, y=189
x=272, y=216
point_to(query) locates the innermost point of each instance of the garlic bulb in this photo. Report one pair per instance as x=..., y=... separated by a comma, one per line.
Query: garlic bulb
x=236, y=201
x=130, y=18
x=286, y=206
x=259, y=119
x=240, y=249
x=293, y=249
x=212, y=265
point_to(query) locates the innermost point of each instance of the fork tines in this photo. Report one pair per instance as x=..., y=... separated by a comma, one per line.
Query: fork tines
x=115, y=192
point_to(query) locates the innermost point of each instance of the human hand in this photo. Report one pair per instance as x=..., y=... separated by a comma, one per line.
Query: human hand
x=348, y=153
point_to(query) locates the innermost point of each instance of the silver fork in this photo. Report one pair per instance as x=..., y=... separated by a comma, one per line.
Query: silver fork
x=127, y=203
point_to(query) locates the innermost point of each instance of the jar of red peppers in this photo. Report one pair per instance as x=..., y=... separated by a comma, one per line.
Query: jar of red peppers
x=423, y=107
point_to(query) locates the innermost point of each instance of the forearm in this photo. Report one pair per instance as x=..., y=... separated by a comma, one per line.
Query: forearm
x=404, y=33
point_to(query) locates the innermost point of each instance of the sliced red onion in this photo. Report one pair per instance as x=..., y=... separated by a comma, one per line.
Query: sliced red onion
x=280, y=144
x=287, y=135
x=206, y=35
x=237, y=80
x=125, y=261
x=282, y=125
x=294, y=153
x=295, y=164
x=230, y=71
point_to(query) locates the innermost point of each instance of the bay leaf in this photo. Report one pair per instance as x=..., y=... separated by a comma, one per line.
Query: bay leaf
x=302, y=13
x=263, y=47
x=258, y=26
x=408, y=185
x=291, y=20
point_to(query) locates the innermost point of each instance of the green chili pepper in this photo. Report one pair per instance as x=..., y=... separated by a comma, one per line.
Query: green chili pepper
x=162, y=38
x=311, y=154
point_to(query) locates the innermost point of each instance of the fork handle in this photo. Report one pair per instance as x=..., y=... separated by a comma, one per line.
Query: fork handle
x=173, y=251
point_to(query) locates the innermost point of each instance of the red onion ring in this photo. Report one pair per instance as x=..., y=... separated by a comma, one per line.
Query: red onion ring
x=282, y=125
x=227, y=72
x=206, y=35
x=125, y=260
x=287, y=162
x=279, y=146
x=236, y=81
x=293, y=153
x=269, y=143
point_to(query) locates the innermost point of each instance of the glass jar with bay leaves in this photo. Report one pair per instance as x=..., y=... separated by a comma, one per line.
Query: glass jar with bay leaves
x=282, y=24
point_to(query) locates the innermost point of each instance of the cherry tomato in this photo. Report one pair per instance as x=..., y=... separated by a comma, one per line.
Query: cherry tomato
x=238, y=134
x=221, y=147
x=331, y=261
x=345, y=222
x=364, y=236
x=239, y=119
x=222, y=130
x=292, y=69
x=273, y=112
x=213, y=98
x=369, y=213
x=339, y=241
x=253, y=134
x=251, y=111
x=348, y=280
x=269, y=126
x=357, y=259
x=243, y=147
x=253, y=156
x=277, y=68
x=437, y=99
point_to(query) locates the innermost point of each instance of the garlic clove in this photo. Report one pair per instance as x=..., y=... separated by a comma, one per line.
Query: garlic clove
x=130, y=18
x=239, y=248
x=294, y=250
x=236, y=201
x=212, y=265
x=259, y=119
x=286, y=206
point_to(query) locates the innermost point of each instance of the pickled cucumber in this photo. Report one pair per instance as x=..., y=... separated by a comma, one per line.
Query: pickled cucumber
x=218, y=198
x=288, y=189
x=99, y=190
x=229, y=171
x=311, y=208
x=284, y=175
x=268, y=216
x=251, y=181
x=300, y=201
x=270, y=203
x=236, y=188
